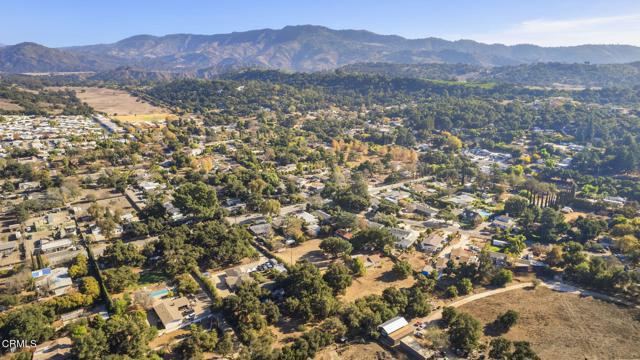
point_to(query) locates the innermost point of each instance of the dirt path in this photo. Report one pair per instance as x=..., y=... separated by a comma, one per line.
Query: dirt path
x=436, y=315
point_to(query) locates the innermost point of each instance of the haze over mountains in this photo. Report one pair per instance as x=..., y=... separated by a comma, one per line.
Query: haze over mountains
x=297, y=48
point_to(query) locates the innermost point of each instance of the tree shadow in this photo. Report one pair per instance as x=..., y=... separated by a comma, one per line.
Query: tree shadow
x=494, y=329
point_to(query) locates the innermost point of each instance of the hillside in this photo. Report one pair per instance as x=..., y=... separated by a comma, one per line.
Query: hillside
x=298, y=48
x=541, y=74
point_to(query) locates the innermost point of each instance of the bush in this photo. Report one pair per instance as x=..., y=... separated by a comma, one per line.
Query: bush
x=502, y=277
x=505, y=321
x=465, y=286
x=451, y=292
x=402, y=269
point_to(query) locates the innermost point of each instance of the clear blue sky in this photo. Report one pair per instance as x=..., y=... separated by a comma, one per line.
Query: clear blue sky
x=544, y=22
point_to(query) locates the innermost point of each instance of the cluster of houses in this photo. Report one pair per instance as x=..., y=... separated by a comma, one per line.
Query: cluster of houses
x=46, y=133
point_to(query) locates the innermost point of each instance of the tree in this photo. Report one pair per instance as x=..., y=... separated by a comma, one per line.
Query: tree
x=555, y=256
x=225, y=345
x=120, y=278
x=500, y=349
x=129, y=334
x=357, y=266
x=402, y=269
x=119, y=254
x=464, y=332
x=505, y=321
x=90, y=287
x=465, y=286
x=551, y=224
x=80, y=267
x=293, y=227
x=308, y=295
x=336, y=246
x=270, y=207
x=338, y=277
x=197, y=342
x=449, y=313
x=515, y=205
x=88, y=343
x=418, y=304
x=502, y=277
x=589, y=228
x=451, y=292
x=523, y=351
x=376, y=238
x=197, y=199
x=31, y=322
x=186, y=284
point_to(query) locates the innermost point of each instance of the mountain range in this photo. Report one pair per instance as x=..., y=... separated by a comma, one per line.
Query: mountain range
x=294, y=48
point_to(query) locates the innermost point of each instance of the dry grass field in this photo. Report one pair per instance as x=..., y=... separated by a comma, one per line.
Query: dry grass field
x=368, y=351
x=118, y=102
x=9, y=106
x=565, y=326
x=377, y=278
x=308, y=250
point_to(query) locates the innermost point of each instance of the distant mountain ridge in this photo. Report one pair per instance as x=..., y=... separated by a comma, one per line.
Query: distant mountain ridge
x=295, y=48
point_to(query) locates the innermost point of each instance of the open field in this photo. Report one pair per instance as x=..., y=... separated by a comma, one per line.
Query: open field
x=118, y=102
x=377, y=278
x=9, y=106
x=160, y=116
x=564, y=326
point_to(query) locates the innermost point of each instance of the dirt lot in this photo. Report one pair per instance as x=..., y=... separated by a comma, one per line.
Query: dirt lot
x=369, y=351
x=377, y=278
x=112, y=101
x=565, y=326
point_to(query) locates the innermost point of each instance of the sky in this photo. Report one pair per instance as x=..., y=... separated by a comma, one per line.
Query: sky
x=60, y=23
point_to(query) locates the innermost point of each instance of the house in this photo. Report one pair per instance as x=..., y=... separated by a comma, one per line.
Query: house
x=57, y=349
x=460, y=200
x=322, y=215
x=310, y=222
x=170, y=312
x=390, y=326
x=432, y=243
x=394, y=329
x=499, y=243
x=413, y=347
x=148, y=186
x=498, y=259
x=47, y=246
x=615, y=200
x=6, y=248
x=261, y=230
x=503, y=222
x=173, y=211
x=405, y=238
x=425, y=210
x=52, y=281
x=469, y=214
x=462, y=256
x=29, y=185
x=236, y=277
